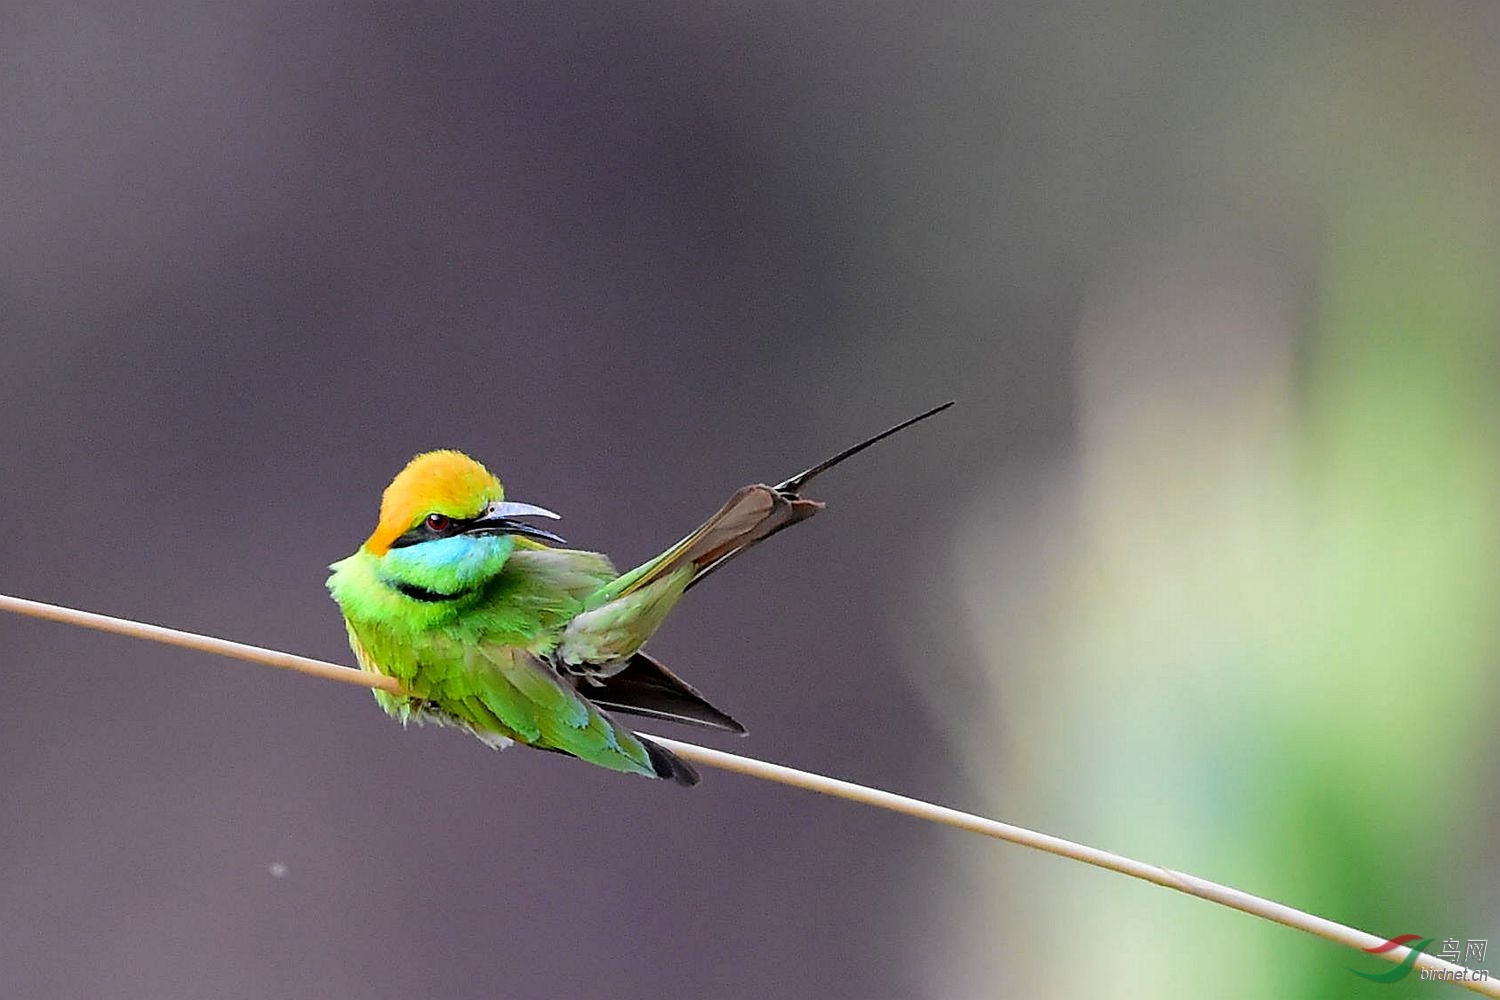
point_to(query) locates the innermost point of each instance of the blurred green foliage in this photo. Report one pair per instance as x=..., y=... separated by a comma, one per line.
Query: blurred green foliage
x=1255, y=634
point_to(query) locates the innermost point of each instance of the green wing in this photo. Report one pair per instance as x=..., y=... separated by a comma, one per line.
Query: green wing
x=514, y=684
x=526, y=695
x=502, y=692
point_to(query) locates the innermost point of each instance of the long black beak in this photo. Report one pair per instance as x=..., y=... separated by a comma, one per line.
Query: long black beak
x=500, y=519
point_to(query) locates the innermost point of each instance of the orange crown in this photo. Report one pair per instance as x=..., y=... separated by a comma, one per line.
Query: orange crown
x=445, y=482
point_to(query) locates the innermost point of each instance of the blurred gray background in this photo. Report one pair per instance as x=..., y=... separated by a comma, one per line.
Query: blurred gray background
x=1207, y=545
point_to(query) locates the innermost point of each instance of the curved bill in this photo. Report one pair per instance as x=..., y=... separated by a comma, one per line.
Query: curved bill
x=500, y=518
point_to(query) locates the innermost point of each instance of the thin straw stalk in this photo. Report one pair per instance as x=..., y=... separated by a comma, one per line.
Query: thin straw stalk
x=1190, y=885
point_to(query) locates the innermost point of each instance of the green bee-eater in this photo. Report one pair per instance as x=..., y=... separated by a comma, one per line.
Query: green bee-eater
x=490, y=625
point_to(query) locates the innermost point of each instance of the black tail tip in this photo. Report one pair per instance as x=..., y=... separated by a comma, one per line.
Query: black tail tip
x=668, y=765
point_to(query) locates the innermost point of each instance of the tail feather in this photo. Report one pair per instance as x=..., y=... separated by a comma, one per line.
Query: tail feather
x=752, y=515
x=793, y=486
x=668, y=765
x=790, y=506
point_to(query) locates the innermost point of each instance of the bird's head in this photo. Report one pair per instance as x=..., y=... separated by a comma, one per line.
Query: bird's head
x=446, y=526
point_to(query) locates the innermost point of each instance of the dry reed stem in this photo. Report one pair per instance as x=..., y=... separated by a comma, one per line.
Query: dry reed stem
x=1181, y=881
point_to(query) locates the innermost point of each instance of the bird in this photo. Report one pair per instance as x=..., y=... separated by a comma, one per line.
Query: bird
x=491, y=624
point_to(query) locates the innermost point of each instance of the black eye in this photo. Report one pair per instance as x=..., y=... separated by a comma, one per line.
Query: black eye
x=438, y=523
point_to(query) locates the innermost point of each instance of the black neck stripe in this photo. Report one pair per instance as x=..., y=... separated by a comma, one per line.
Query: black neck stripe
x=423, y=594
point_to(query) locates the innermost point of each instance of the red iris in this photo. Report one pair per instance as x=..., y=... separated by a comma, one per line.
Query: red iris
x=438, y=522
